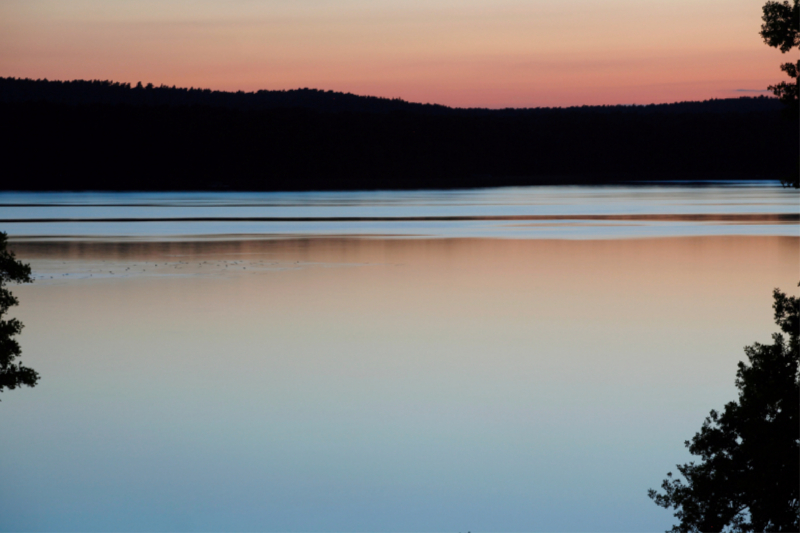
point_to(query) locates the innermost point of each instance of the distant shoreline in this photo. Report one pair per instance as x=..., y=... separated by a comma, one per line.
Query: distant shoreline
x=468, y=183
x=79, y=136
x=78, y=92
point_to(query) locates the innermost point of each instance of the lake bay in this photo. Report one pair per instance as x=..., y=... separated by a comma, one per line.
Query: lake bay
x=517, y=359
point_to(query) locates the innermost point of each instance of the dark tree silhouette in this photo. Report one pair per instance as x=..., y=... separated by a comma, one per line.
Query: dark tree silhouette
x=781, y=29
x=749, y=475
x=12, y=373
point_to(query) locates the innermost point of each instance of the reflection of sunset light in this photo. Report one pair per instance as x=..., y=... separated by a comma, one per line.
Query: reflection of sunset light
x=383, y=369
x=479, y=53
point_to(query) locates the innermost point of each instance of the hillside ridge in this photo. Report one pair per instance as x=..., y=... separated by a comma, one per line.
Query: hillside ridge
x=86, y=92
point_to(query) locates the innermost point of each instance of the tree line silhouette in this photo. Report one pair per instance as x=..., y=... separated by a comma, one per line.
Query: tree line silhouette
x=110, y=136
x=78, y=92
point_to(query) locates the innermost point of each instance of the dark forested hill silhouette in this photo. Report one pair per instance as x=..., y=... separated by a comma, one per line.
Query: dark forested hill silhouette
x=77, y=92
x=103, y=135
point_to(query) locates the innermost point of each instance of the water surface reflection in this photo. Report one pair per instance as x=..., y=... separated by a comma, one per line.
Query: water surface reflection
x=561, y=212
x=354, y=384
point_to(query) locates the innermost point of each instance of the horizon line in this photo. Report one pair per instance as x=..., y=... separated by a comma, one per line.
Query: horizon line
x=150, y=86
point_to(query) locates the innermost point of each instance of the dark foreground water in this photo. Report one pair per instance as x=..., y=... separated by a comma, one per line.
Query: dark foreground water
x=476, y=374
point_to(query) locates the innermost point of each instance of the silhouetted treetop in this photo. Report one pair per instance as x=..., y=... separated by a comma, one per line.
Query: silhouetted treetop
x=781, y=27
x=748, y=475
x=12, y=373
x=780, y=30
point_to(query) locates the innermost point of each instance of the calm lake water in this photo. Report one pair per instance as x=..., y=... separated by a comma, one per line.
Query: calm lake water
x=517, y=359
x=511, y=212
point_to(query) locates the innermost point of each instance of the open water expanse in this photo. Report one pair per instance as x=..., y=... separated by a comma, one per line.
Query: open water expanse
x=515, y=359
x=738, y=208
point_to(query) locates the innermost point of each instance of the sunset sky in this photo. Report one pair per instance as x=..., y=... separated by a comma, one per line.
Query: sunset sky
x=467, y=53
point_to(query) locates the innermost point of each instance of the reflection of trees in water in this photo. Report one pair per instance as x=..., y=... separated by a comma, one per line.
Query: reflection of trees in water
x=76, y=259
x=132, y=250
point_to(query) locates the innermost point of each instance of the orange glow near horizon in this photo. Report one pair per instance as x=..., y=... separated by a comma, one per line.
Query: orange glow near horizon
x=473, y=53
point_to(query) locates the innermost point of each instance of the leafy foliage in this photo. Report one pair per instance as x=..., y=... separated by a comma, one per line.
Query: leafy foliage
x=12, y=373
x=781, y=29
x=787, y=91
x=749, y=475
